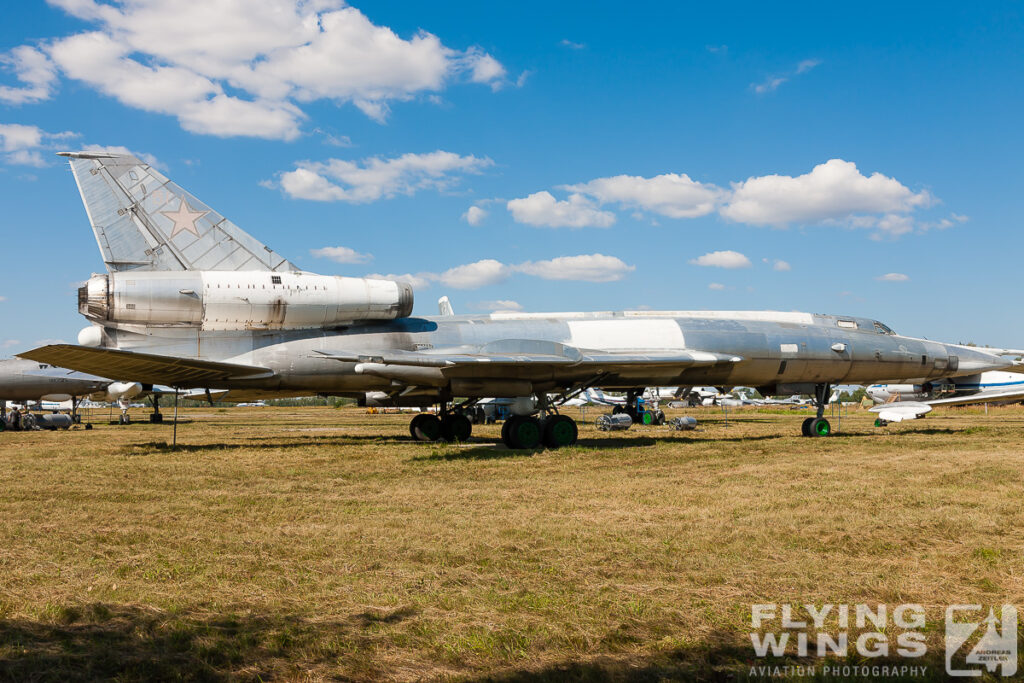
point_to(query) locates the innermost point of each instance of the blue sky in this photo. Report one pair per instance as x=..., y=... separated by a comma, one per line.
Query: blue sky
x=849, y=159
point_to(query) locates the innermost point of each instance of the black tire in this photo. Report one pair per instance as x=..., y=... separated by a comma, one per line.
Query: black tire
x=156, y=418
x=426, y=427
x=805, y=428
x=559, y=431
x=3, y=424
x=524, y=433
x=456, y=427
x=88, y=426
x=820, y=427
x=659, y=418
x=504, y=431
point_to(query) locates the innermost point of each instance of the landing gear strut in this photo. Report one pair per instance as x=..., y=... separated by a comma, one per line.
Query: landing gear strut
x=818, y=426
x=156, y=417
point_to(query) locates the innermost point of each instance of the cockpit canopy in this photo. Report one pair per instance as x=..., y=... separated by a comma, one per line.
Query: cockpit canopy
x=861, y=324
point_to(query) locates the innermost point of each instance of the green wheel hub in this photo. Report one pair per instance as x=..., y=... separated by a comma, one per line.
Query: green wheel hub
x=526, y=433
x=562, y=433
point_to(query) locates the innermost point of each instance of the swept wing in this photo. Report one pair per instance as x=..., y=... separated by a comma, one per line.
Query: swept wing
x=144, y=367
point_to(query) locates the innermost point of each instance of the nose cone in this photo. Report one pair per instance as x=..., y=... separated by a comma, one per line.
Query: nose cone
x=972, y=360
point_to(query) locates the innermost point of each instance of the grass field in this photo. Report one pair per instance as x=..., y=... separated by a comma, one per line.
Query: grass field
x=314, y=543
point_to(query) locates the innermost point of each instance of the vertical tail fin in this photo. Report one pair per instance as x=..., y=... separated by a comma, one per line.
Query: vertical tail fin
x=143, y=221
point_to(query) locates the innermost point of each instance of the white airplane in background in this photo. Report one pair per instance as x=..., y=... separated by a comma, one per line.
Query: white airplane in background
x=900, y=402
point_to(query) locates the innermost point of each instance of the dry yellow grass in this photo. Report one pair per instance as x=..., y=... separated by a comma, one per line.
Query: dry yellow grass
x=312, y=543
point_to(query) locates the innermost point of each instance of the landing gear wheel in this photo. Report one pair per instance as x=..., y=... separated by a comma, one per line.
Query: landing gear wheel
x=560, y=430
x=504, y=431
x=156, y=418
x=659, y=418
x=522, y=432
x=820, y=427
x=88, y=426
x=456, y=427
x=425, y=427
x=805, y=428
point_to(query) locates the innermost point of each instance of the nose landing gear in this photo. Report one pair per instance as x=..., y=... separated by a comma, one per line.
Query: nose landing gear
x=818, y=426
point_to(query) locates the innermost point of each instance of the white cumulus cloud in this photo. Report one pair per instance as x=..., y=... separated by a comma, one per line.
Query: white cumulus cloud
x=377, y=178
x=341, y=255
x=585, y=267
x=23, y=145
x=833, y=191
x=722, y=259
x=581, y=268
x=716, y=286
x=475, y=215
x=474, y=275
x=893, y=277
x=671, y=194
x=543, y=210
x=35, y=71
x=179, y=59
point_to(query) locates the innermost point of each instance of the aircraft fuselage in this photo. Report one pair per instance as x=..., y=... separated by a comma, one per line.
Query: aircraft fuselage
x=781, y=352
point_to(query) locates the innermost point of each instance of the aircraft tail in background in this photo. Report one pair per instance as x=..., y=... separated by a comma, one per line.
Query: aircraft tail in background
x=145, y=222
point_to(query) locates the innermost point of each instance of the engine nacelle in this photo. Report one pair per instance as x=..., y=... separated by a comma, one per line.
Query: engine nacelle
x=241, y=300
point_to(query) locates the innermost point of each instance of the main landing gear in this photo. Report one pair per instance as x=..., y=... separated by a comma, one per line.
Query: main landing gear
x=452, y=426
x=529, y=432
x=818, y=426
x=550, y=429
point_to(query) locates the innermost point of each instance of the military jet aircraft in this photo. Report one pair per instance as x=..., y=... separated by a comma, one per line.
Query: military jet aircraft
x=26, y=381
x=190, y=300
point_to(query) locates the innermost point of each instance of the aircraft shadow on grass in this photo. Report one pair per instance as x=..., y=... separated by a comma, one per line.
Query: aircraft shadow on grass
x=484, y=448
x=126, y=642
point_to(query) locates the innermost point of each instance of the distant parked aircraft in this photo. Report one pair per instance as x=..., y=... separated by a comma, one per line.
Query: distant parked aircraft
x=898, y=402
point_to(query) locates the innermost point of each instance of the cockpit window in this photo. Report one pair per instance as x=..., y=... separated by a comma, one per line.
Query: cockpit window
x=848, y=324
x=883, y=329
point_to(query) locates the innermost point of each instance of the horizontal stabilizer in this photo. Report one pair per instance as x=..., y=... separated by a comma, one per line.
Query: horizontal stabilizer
x=144, y=367
x=143, y=221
